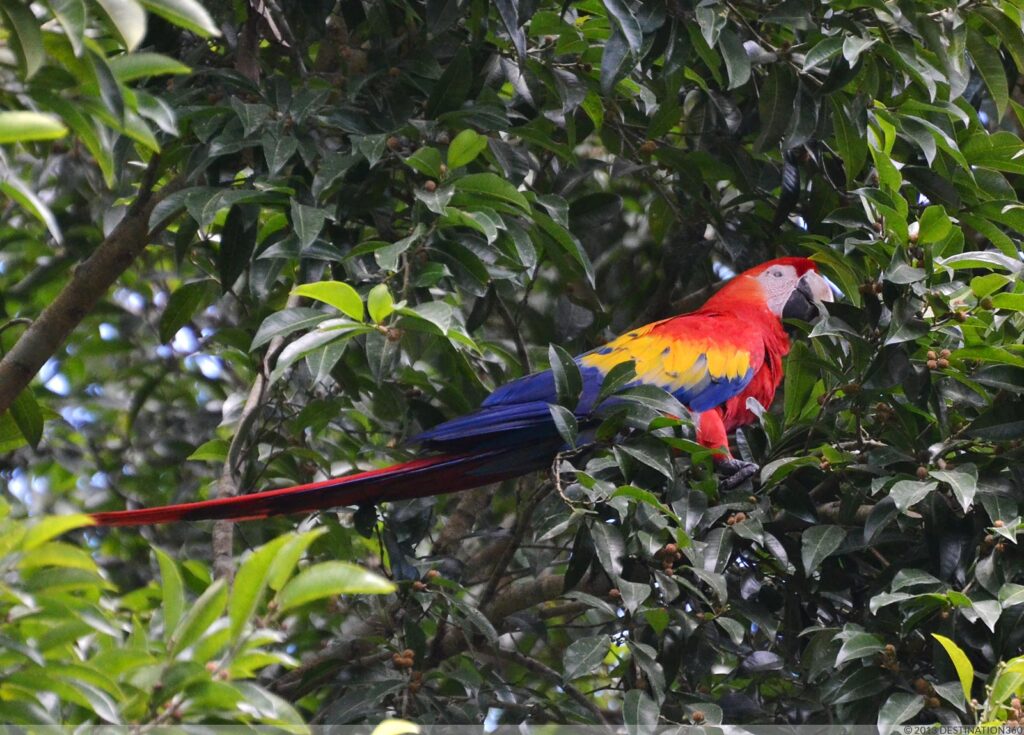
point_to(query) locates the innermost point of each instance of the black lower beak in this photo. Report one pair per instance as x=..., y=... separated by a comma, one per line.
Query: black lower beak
x=801, y=304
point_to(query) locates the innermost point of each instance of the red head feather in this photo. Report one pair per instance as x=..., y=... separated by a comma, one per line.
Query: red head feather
x=745, y=290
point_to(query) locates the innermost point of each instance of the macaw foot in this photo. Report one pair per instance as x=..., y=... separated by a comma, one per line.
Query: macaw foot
x=734, y=472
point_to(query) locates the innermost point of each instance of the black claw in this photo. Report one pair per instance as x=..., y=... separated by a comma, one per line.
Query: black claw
x=735, y=472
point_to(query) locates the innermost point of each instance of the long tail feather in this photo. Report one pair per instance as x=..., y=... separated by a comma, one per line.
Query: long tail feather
x=421, y=477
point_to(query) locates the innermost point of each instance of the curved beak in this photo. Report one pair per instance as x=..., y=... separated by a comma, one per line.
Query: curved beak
x=812, y=290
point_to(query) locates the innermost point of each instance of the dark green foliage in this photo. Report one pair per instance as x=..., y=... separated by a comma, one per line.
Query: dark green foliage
x=389, y=208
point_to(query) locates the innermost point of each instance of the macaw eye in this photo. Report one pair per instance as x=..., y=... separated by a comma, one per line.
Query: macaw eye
x=777, y=274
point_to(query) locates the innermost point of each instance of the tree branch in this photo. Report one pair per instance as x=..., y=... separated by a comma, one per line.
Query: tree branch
x=223, y=536
x=522, y=523
x=89, y=282
x=470, y=507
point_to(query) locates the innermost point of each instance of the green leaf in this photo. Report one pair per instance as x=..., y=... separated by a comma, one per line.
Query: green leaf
x=733, y=628
x=25, y=38
x=567, y=242
x=450, y=91
x=308, y=222
x=906, y=493
x=237, y=243
x=491, y=186
x=71, y=16
x=437, y=314
x=655, y=398
x=962, y=664
x=85, y=128
x=251, y=582
x=1011, y=595
x=1009, y=31
x=990, y=66
x=278, y=150
x=283, y=323
x=737, y=63
x=622, y=18
x=334, y=335
x=614, y=59
x=823, y=51
x=188, y=14
x=1008, y=301
x=332, y=169
x=128, y=19
x=29, y=418
x=999, y=151
x=139, y=65
x=50, y=528
x=800, y=378
x=330, y=578
x=776, y=104
x=199, y=617
x=963, y=481
x=183, y=304
x=215, y=450
x=711, y=19
x=338, y=294
x=565, y=422
x=57, y=554
x=1007, y=683
x=649, y=498
x=817, y=543
x=566, y=375
x=583, y=656
x=617, y=378
x=10, y=435
x=857, y=646
x=639, y=712
x=988, y=611
x=287, y=558
x=983, y=286
x=23, y=126
x=899, y=708
x=609, y=547
x=466, y=146
x=427, y=161
x=474, y=617
x=934, y=225
x=380, y=303
x=173, y=592
x=913, y=578
x=27, y=199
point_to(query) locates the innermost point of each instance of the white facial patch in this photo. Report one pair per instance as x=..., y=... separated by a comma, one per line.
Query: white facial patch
x=778, y=284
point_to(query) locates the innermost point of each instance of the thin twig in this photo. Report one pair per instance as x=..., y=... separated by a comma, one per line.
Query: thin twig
x=522, y=524
x=513, y=327
x=531, y=664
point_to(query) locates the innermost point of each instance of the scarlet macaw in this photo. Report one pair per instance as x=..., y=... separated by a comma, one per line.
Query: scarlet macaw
x=712, y=360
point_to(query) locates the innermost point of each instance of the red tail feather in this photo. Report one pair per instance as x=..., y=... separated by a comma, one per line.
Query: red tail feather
x=420, y=477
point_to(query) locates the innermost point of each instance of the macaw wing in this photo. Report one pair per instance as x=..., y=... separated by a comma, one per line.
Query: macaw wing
x=687, y=356
x=695, y=358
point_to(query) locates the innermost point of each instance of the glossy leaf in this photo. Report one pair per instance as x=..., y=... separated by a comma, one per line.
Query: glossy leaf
x=328, y=579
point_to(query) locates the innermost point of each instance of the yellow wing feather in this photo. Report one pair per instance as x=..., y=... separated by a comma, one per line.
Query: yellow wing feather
x=670, y=362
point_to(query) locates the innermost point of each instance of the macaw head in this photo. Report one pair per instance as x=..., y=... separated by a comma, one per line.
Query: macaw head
x=791, y=288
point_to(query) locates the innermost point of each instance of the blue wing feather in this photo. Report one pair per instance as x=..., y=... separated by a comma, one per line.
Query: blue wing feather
x=519, y=409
